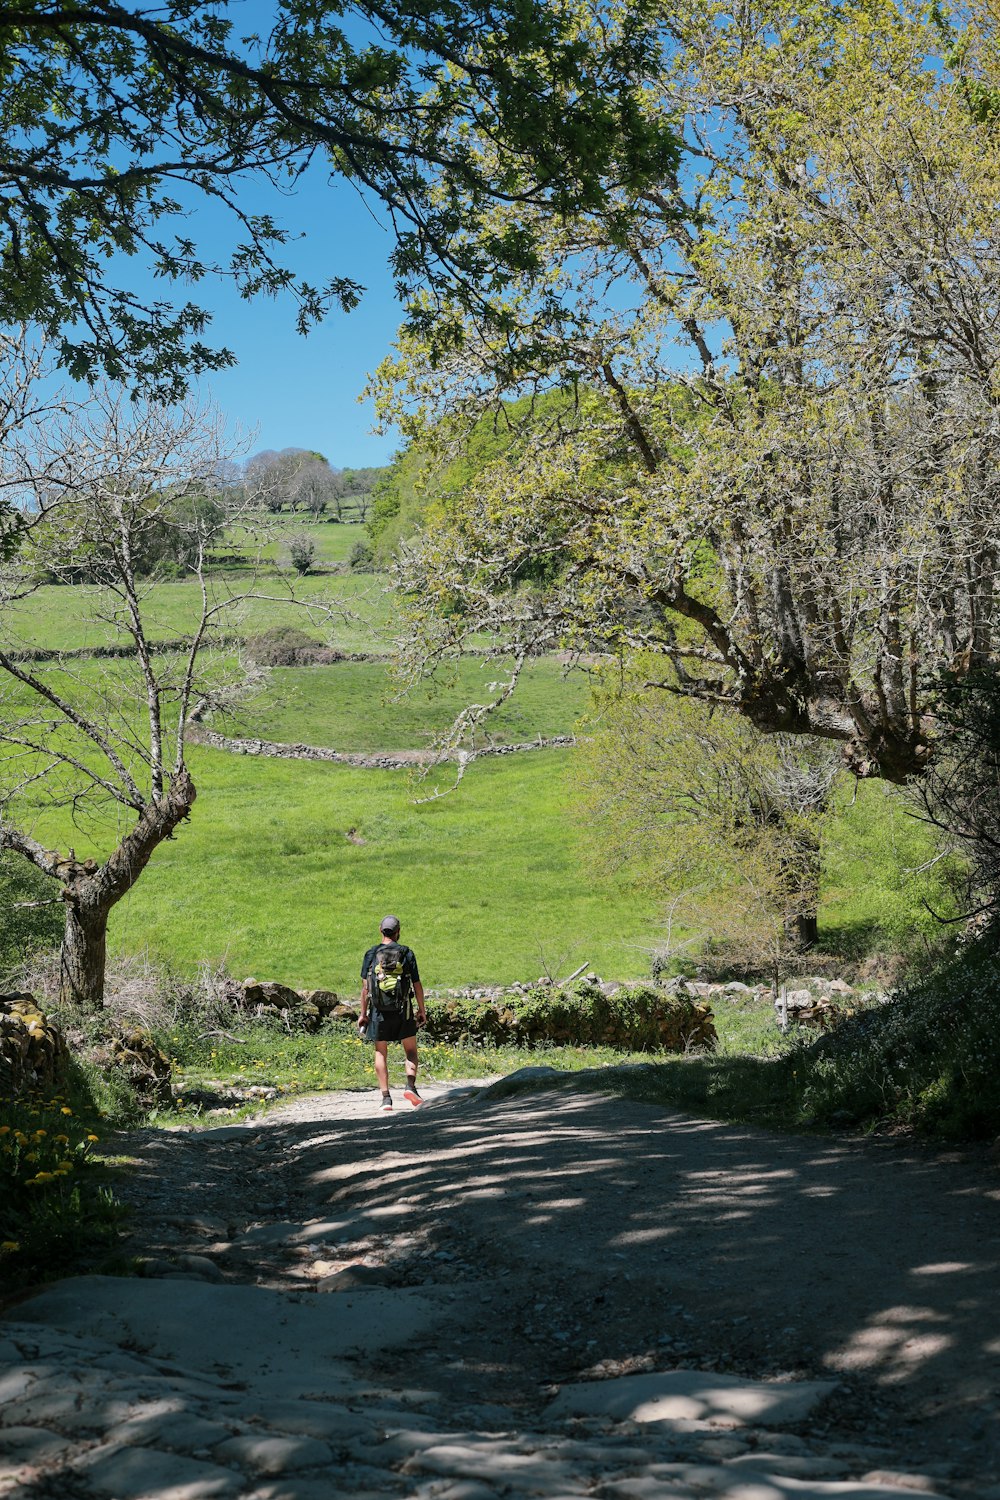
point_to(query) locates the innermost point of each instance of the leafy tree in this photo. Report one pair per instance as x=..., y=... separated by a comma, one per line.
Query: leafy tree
x=355, y=492
x=439, y=464
x=798, y=515
x=723, y=824
x=112, y=117
x=64, y=547
x=960, y=795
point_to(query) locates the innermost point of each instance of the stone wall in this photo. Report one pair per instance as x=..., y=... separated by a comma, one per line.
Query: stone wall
x=33, y=1052
x=396, y=760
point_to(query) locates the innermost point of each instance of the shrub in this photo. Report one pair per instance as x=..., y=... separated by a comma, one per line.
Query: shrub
x=302, y=552
x=361, y=558
x=929, y=1058
x=53, y=1207
x=282, y=646
x=637, y=1018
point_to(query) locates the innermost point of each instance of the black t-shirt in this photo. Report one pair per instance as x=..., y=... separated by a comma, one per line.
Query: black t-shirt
x=409, y=962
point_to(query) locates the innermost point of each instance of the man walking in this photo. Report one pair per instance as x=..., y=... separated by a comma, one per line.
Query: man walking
x=390, y=982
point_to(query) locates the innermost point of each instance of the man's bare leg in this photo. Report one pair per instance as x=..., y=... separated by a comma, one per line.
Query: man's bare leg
x=410, y=1048
x=382, y=1066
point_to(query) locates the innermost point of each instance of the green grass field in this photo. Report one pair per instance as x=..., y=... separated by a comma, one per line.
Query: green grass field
x=489, y=881
x=357, y=706
x=286, y=867
x=349, y=611
x=333, y=540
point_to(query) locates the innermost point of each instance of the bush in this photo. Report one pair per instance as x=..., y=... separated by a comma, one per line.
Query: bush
x=282, y=646
x=361, y=558
x=638, y=1018
x=929, y=1058
x=302, y=551
x=54, y=1208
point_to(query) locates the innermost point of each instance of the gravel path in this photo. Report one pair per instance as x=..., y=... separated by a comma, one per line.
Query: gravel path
x=520, y=1290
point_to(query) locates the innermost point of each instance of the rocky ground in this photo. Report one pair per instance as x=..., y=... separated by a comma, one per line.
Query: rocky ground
x=519, y=1292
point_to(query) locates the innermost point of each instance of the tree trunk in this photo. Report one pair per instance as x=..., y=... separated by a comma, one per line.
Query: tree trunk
x=91, y=890
x=805, y=930
x=83, y=955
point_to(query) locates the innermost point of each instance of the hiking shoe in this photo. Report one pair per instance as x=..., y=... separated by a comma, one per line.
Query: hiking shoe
x=386, y=1105
x=410, y=1093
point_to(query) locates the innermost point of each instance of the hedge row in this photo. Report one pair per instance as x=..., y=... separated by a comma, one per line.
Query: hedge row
x=635, y=1018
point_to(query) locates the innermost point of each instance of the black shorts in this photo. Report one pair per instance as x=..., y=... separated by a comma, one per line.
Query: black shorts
x=394, y=1028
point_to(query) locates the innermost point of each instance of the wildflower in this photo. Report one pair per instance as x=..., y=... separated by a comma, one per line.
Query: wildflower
x=39, y=1134
x=4, y=1130
x=61, y=1140
x=41, y=1177
x=7, y=1247
x=90, y=1138
x=31, y=1156
x=65, y=1110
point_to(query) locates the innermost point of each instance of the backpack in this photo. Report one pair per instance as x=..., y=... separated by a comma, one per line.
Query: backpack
x=388, y=982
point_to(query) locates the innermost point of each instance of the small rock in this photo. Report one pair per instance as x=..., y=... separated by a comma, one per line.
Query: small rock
x=274, y=1455
x=137, y=1473
x=357, y=1279
x=32, y=1445
x=201, y=1266
x=920, y=1483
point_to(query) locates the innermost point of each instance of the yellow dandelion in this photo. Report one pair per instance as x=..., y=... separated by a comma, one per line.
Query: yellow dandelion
x=4, y=1130
x=65, y=1110
x=7, y=1247
x=41, y=1177
x=31, y=1156
x=61, y=1140
x=90, y=1138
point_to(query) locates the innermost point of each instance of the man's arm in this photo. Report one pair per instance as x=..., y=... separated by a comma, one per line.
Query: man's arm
x=418, y=991
x=363, y=1018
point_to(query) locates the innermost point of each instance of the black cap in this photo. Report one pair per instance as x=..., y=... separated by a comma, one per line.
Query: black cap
x=389, y=924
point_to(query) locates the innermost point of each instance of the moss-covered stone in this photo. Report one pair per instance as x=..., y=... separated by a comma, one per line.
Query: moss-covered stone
x=33, y=1051
x=634, y=1018
x=146, y=1067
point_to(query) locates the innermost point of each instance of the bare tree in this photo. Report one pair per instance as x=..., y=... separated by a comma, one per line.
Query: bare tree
x=89, y=738
x=296, y=478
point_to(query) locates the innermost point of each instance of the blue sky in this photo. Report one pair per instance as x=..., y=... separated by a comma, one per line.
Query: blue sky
x=288, y=390
x=297, y=391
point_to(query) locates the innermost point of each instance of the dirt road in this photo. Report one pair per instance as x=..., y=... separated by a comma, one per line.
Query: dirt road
x=537, y=1291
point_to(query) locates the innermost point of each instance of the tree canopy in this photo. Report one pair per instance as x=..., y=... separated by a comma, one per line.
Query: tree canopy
x=774, y=464
x=114, y=119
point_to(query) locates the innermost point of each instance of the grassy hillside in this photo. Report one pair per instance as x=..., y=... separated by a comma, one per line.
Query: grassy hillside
x=333, y=540
x=489, y=882
x=286, y=867
x=349, y=611
x=356, y=706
